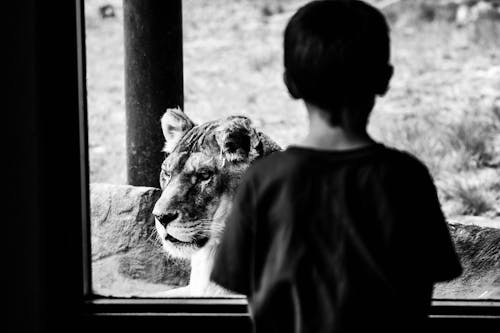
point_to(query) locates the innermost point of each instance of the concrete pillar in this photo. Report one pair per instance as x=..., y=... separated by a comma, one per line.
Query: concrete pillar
x=153, y=81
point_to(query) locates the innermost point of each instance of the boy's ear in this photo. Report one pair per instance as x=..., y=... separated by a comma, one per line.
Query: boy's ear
x=174, y=123
x=385, y=76
x=290, y=84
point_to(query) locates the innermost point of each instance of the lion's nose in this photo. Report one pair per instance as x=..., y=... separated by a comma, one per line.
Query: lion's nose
x=167, y=217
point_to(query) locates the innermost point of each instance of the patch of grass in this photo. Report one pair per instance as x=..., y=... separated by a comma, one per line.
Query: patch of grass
x=461, y=152
x=417, y=135
x=465, y=142
x=473, y=136
x=473, y=196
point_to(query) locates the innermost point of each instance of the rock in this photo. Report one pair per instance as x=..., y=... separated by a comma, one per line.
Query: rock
x=120, y=218
x=149, y=263
x=478, y=248
x=125, y=250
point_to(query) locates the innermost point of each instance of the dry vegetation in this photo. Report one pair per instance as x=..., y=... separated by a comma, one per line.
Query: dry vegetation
x=443, y=106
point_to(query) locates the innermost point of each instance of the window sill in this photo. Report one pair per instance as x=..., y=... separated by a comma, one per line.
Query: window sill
x=239, y=307
x=472, y=309
x=168, y=306
x=231, y=315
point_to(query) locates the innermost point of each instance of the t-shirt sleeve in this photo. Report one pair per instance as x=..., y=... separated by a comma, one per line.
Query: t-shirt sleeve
x=443, y=260
x=234, y=258
x=425, y=236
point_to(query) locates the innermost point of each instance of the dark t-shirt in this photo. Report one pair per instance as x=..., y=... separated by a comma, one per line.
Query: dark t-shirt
x=332, y=241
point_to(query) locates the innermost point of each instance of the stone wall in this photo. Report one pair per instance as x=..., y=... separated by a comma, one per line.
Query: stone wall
x=127, y=258
x=477, y=241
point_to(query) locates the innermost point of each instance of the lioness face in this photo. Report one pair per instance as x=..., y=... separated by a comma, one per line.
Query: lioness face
x=199, y=175
x=196, y=197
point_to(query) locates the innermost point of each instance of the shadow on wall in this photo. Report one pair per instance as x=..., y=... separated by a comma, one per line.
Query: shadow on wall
x=127, y=258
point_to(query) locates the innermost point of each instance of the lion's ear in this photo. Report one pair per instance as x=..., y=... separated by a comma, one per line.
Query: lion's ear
x=174, y=123
x=238, y=140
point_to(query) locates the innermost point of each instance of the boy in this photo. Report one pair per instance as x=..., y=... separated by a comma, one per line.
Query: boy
x=340, y=232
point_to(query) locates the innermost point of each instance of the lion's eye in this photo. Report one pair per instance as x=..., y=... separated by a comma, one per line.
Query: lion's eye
x=204, y=175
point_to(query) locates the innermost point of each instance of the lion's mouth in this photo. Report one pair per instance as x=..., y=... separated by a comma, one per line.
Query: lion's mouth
x=197, y=241
x=172, y=239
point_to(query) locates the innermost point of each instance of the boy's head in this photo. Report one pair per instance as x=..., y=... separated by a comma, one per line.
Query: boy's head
x=336, y=56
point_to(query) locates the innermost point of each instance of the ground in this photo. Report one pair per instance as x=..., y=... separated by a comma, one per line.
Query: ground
x=443, y=105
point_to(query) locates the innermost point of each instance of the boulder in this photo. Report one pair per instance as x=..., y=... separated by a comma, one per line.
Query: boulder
x=477, y=242
x=127, y=259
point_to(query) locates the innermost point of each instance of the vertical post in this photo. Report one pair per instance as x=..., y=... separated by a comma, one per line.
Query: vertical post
x=153, y=81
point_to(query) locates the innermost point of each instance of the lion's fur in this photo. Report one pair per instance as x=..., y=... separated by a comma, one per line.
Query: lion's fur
x=201, y=171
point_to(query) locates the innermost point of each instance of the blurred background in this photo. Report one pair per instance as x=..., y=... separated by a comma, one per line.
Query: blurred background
x=443, y=105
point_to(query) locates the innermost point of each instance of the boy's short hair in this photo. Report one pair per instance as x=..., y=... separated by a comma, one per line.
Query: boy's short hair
x=336, y=53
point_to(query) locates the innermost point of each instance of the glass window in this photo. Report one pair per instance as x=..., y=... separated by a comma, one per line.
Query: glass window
x=443, y=106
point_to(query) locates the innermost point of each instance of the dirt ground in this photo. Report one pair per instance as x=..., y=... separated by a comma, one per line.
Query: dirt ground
x=443, y=105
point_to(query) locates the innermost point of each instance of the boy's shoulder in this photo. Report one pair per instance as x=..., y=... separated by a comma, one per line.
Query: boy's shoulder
x=296, y=155
x=404, y=169
x=297, y=160
x=404, y=156
x=275, y=163
x=405, y=160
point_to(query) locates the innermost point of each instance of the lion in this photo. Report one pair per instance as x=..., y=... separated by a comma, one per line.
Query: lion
x=199, y=176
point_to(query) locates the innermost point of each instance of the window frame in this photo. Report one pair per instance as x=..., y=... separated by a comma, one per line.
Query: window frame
x=235, y=310
x=224, y=314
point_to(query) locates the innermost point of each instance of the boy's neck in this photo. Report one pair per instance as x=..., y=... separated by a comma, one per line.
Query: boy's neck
x=326, y=137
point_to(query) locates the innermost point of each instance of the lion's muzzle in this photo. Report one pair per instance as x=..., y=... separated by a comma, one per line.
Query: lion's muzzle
x=166, y=217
